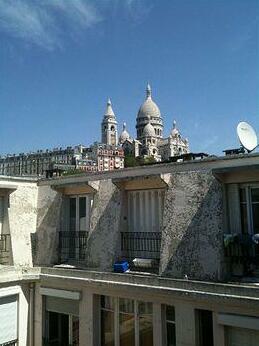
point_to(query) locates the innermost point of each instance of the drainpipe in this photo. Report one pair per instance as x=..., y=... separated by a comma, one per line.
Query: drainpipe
x=31, y=314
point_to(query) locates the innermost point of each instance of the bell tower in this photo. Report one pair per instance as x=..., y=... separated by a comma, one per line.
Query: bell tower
x=109, y=126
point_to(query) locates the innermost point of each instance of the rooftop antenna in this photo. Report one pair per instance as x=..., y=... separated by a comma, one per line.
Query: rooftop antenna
x=247, y=136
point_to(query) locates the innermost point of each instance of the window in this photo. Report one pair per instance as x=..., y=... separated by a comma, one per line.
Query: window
x=134, y=319
x=73, y=236
x=145, y=218
x=79, y=213
x=145, y=323
x=241, y=336
x=127, y=322
x=170, y=325
x=9, y=320
x=62, y=329
x=107, y=321
x=249, y=207
x=204, y=328
x=145, y=208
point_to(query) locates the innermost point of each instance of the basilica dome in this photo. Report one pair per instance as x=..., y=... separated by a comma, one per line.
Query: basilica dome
x=149, y=107
x=149, y=131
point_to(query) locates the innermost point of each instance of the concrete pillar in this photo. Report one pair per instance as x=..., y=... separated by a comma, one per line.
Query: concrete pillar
x=218, y=332
x=31, y=315
x=38, y=317
x=88, y=319
x=23, y=315
x=185, y=325
x=157, y=325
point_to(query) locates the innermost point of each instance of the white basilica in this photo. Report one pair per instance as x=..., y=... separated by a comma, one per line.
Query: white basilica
x=150, y=141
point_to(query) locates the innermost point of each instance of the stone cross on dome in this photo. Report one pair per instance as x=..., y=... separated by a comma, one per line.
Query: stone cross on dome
x=148, y=90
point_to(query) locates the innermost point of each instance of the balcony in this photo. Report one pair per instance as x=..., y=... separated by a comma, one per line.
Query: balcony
x=4, y=249
x=72, y=246
x=241, y=251
x=10, y=343
x=141, y=245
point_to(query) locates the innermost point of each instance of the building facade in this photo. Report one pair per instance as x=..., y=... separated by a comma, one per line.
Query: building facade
x=188, y=231
x=107, y=157
x=104, y=156
x=40, y=162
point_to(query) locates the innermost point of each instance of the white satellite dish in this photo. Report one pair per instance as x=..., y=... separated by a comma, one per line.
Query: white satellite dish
x=247, y=136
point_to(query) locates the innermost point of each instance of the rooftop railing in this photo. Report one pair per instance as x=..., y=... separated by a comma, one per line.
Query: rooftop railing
x=242, y=249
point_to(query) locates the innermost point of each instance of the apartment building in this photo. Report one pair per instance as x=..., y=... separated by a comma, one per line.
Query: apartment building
x=189, y=231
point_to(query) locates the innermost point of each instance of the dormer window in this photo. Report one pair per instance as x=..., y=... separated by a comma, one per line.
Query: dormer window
x=142, y=220
x=145, y=218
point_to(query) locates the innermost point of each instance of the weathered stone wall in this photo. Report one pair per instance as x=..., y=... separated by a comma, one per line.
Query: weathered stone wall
x=45, y=239
x=192, y=236
x=20, y=215
x=104, y=236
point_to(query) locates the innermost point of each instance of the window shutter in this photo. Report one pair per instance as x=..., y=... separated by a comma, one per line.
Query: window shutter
x=62, y=306
x=241, y=337
x=8, y=318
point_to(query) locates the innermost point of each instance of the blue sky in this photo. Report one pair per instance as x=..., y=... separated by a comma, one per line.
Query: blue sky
x=61, y=59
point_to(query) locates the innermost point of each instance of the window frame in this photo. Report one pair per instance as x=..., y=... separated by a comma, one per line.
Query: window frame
x=46, y=325
x=166, y=321
x=249, y=206
x=77, y=197
x=116, y=311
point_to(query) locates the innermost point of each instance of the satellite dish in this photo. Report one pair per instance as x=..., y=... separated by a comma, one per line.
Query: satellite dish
x=247, y=136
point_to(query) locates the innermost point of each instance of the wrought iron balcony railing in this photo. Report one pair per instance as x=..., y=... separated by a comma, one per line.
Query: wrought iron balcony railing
x=10, y=343
x=141, y=244
x=241, y=249
x=72, y=245
x=4, y=248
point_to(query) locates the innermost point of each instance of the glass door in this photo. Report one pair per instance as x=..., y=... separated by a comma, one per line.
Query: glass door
x=78, y=224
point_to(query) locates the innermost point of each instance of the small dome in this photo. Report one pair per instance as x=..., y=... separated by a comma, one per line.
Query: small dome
x=149, y=107
x=124, y=134
x=149, y=131
x=175, y=132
